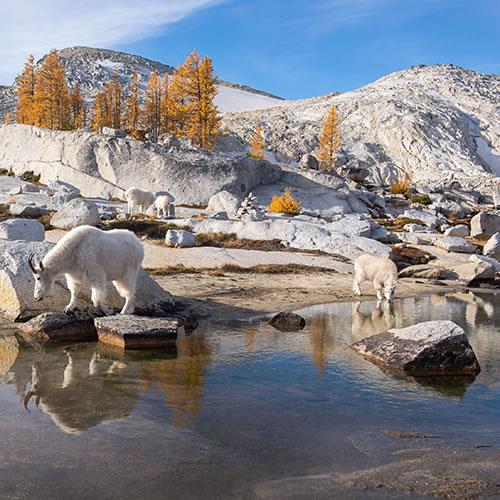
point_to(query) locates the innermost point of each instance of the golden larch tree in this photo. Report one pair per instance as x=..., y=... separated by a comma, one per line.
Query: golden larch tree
x=78, y=111
x=114, y=96
x=132, y=110
x=167, y=110
x=257, y=144
x=329, y=140
x=51, y=97
x=102, y=111
x=7, y=119
x=152, y=106
x=26, y=93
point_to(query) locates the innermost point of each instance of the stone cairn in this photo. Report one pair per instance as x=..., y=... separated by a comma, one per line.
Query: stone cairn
x=249, y=209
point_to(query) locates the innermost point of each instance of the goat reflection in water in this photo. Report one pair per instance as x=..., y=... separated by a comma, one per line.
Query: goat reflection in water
x=380, y=319
x=94, y=388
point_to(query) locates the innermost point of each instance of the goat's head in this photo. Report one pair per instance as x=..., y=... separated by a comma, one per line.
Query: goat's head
x=389, y=287
x=44, y=280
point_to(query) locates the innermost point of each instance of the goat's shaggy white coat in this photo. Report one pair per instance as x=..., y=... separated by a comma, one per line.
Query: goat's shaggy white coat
x=137, y=198
x=89, y=256
x=162, y=204
x=380, y=270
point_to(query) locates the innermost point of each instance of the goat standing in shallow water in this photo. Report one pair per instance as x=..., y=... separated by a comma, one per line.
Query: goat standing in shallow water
x=90, y=256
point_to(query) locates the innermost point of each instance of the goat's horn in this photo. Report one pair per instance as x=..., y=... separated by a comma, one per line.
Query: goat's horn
x=40, y=265
x=30, y=262
x=27, y=398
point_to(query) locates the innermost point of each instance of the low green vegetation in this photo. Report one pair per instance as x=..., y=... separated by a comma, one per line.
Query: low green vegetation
x=423, y=199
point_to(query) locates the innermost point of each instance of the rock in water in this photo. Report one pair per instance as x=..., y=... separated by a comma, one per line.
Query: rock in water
x=77, y=212
x=22, y=229
x=287, y=321
x=136, y=332
x=59, y=327
x=425, y=349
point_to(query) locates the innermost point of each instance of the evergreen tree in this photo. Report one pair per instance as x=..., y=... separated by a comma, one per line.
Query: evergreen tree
x=257, y=144
x=51, y=97
x=329, y=140
x=152, y=106
x=132, y=112
x=78, y=111
x=26, y=93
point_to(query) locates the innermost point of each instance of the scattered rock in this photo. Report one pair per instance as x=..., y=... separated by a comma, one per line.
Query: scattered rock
x=287, y=321
x=425, y=349
x=60, y=327
x=77, y=212
x=179, y=238
x=22, y=229
x=113, y=132
x=492, y=247
x=412, y=239
x=427, y=271
x=219, y=216
x=60, y=198
x=224, y=202
x=485, y=224
x=489, y=260
x=309, y=161
x=425, y=217
x=472, y=272
x=455, y=244
x=59, y=186
x=461, y=230
x=137, y=332
x=28, y=211
x=418, y=228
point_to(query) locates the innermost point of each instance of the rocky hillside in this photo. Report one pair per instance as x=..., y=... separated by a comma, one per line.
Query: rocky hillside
x=437, y=123
x=92, y=68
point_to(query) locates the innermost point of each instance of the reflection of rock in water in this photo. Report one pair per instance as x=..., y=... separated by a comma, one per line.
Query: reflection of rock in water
x=380, y=319
x=321, y=339
x=9, y=349
x=77, y=390
x=181, y=379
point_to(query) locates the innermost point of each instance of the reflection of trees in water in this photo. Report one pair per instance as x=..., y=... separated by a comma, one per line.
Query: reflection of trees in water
x=250, y=334
x=321, y=340
x=9, y=349
x=181, y=379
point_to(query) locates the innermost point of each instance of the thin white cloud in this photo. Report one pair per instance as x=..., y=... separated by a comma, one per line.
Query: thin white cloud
x=36, y=26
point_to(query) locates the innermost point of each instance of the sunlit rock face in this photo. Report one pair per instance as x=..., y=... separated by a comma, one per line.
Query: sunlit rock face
x=438, y=124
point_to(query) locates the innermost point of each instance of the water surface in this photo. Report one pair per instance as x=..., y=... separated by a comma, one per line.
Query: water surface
x=235, y=410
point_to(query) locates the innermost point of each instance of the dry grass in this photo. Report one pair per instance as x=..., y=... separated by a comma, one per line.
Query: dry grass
x=397, y=225
x=233, y=269
x=196, y=207
x=143, y=227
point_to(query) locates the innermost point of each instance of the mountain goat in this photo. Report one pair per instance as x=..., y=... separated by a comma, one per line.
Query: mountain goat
x=162, y=204
x=89, y=256
x=380, y=270
x=138, y=198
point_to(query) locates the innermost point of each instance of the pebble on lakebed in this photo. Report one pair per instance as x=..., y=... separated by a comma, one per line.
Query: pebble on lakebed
x=287, y=321
x=138, y=332
x=425, y=349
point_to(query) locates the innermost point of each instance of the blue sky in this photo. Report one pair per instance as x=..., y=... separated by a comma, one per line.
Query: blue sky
x=293, y=48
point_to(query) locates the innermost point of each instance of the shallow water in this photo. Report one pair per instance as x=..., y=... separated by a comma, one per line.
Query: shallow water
x=234, y=411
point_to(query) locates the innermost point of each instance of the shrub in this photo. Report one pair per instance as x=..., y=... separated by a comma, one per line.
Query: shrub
x=285, y=204
x=30, y=176
x=423, y=199
x=4, y=171
x=402, y=186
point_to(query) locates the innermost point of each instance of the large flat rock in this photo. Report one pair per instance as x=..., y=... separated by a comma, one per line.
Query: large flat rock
x=425, y=349
x=138, y=332
x=59, y=327
x=17, y=284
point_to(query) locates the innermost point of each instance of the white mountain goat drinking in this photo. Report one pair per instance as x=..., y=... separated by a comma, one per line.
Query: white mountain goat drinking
x=89, y=256
x=380, y=270
x=137, y=198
